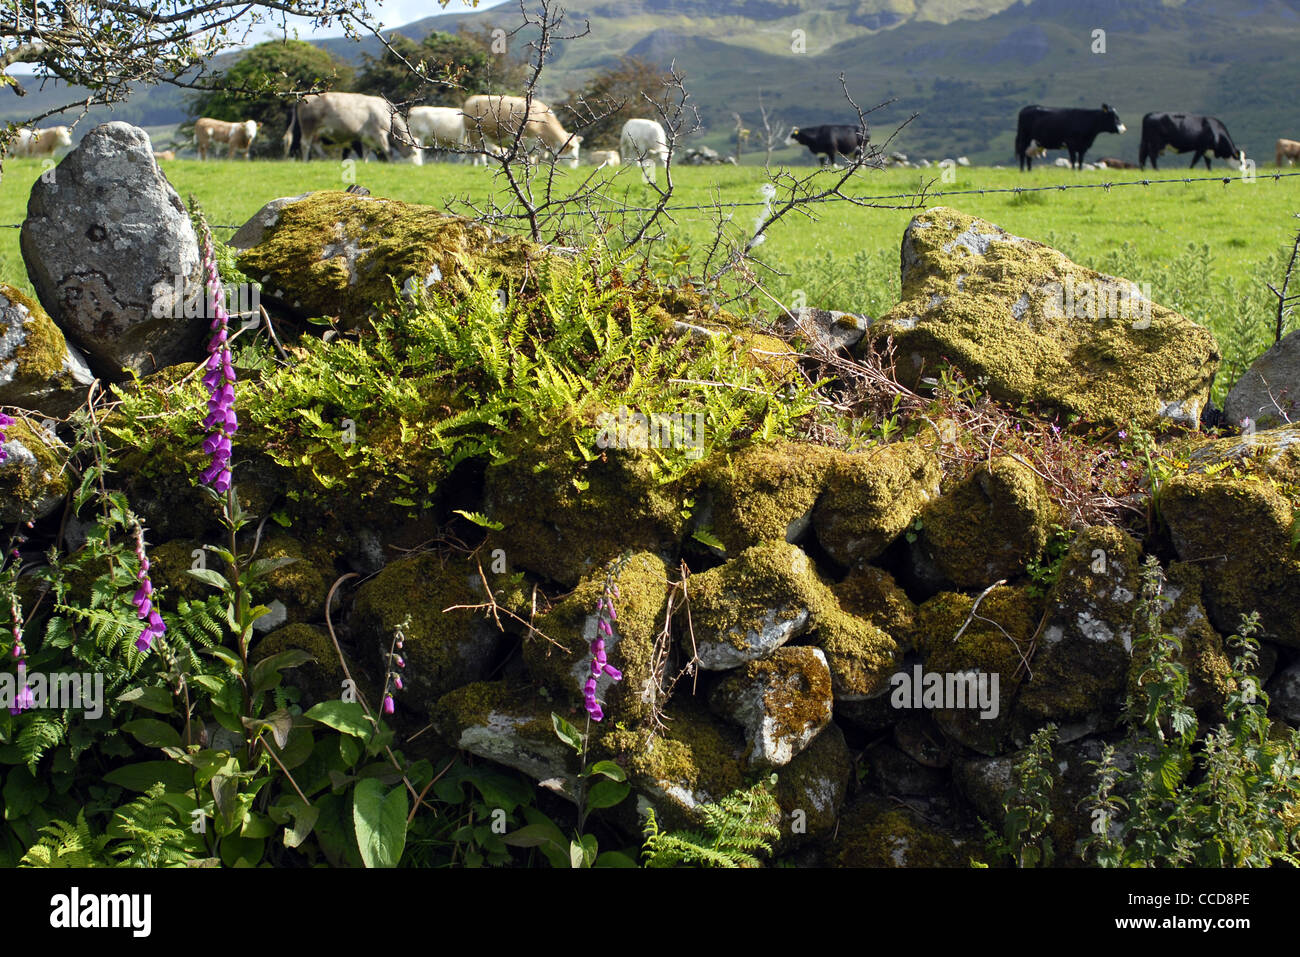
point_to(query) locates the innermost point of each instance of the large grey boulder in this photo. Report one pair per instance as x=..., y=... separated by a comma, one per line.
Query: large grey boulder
x=39, y=371
x=1268, y=393
x=113, y=257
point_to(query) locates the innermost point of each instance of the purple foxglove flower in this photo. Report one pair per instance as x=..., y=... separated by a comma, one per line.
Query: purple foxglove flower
x=5, y=422
x=23, y=702
x=389, y=707
x=613, y=672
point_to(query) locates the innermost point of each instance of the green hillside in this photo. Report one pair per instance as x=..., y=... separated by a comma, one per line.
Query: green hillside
x=965, y=66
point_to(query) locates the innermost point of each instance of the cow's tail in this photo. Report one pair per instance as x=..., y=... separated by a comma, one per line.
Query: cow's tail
x=295, y=133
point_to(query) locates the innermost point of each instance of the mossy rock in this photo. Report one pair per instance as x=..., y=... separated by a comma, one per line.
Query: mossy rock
x=39, y=371
x=990, y=526
x=642, y=594
x=443, y=650
x=860, y=655
x=303, y=584
x=763, y=493
x=780, y=702
x=333, y=253
x=321, y=679
x=872, y=496
x=170, y=564
x=33, y=480
x=511, y=725
x=877, y=833
x=694, y=760
x=811, y=789
x=1081, y=659
x=988, y=302
x=1233, y=514
x=995, y=646
x=872, y=594
x=564, y=516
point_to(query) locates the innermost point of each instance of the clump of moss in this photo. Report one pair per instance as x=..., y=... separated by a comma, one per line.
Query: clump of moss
x=170, y=564
x=34, y=373
x=782, y=702
x=982, y=299
x=990, y=526
x=642, y=593
x=32, y=477
x=870, y=593
x=303, y=584
x=444, y=649
x=871, y=497
x=764, y=493
x=812, y=787
x=874, y=833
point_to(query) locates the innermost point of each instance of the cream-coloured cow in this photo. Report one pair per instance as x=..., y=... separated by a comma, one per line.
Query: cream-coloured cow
x=42, y=142
x=494, y=121
x=1288, y=150
x=603, y=158
x=238, y=136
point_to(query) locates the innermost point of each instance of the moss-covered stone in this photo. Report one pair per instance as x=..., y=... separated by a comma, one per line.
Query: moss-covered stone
x=988, y=302
x=319, y=680
x=860, y=655
x=1233, y=514
x=997, y=642
x=562, y=663
x=695, y=761
x=1081, y=658
x=990, y=526
x=39, y=371
x=444, y=649
x=170, y=564
x=33, y=480
x=811, y=789
x=564, y=516
x=871, y=497
x=335, y=253
x=781, y=702
x=876, y=833
x=871, y=593
x=764, y=493
x=511, y=725
x=303, y=584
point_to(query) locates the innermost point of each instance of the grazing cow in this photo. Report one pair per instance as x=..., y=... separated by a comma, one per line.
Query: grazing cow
x=164, y=155
x=356, y=119
x=494, y=122
x=238, y=136
x=1111, y=163
x=42, y=142
x=603, y=158
x=1056, y=128
x=1183, y=133
x=438, y=127
x=830, y=140
x=1288, y=150
x=643, y=142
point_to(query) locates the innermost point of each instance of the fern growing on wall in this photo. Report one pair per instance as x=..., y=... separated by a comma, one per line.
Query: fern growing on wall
x=736, y=830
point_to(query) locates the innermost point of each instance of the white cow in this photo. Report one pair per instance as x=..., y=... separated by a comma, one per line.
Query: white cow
x=603, y=158
x=41, y=142
x=644, y=142
x=494, y=121
x=238, y=136
x=356, y=119
x=438, y=127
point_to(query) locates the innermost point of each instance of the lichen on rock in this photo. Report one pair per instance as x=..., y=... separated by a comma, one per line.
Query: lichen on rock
x=781, y=702
x=39, y=371
x=33, y=480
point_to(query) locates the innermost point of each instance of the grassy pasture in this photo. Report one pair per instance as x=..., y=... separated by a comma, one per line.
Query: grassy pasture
x=1205, y=248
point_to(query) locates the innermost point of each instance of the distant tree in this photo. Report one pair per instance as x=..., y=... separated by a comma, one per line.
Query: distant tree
x=438, y=70
x=611, y=98
x=254, y=87
x=507, y=68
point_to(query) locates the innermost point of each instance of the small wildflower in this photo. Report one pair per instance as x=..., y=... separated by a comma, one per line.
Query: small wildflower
x=5, y=422
x=221, y=422
x=600, y=665
x=24, y=701
x=1122, y=435
x=143, y=599
x=389, y=707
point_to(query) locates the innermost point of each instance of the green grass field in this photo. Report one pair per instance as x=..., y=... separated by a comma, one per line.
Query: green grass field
x=1205, y=248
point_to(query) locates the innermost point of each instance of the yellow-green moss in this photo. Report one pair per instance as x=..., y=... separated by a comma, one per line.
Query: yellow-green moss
x=443, y=649
x=990, y=526
x=957, y=305
x=170, y=564
x=814, y=783
x=642, y=586
x=31, y=477
x=40, y=357
x=871, y=593
x=303, y=584
x=757, y=493
x=871, y=497
x=874, y=833
x=321, y=679
x=394, y=241
x=796, y=691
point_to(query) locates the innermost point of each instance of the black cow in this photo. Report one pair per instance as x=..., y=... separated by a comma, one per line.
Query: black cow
x=1057, y=128
x=1184, y=132
x=829, y=140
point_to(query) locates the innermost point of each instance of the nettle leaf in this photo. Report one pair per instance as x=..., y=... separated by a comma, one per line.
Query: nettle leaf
x=380, y=822
x=210, y=577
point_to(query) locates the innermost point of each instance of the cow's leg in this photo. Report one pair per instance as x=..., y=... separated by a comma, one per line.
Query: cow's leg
x=1196, y=157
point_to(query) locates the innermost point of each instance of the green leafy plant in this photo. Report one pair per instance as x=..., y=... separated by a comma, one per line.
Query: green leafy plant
x=1028, y=808
x=736, y=830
